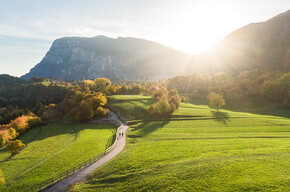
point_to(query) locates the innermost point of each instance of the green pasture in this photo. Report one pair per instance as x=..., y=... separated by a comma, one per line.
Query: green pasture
x=53, y=149
x=197, y=149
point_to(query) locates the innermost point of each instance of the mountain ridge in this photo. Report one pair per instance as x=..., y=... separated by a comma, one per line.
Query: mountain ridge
x=101, y=56
x=263, y=45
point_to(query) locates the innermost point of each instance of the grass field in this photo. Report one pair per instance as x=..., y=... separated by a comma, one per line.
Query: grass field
x=132, y=107
x=200, y=150
x=53, y=149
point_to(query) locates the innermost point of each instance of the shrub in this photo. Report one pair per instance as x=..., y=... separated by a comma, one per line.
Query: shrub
x=15, y=146
x=20, y=124
x=100, y=111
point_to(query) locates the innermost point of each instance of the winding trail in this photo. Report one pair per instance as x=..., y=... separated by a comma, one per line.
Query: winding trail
x=81, y=175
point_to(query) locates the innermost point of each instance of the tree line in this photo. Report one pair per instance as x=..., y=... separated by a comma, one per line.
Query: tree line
x=270, y=86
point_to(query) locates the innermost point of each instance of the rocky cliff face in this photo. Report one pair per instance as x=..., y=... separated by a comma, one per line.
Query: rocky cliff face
x=75, y=58
x=263, y=45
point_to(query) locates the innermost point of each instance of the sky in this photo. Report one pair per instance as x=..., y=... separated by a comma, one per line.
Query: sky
x=28, y=27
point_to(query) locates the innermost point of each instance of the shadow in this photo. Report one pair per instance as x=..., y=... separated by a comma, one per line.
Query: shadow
x=129, y=100
x=216, y=118
x=111, y=140
x=146, y=128
x=222, y=117
x=180, y=116
x=238, y=137
x=251, y=105
x=54, y=129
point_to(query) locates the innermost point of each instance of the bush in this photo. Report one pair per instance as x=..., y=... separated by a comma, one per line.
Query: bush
x=15, y=146
x=100, y=111
x=20, y=124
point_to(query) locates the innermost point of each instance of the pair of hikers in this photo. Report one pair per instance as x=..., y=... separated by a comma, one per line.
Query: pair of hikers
x=121, y=134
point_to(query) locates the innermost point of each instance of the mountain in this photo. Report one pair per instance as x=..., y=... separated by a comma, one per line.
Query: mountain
x=264, y=45
x=78, y=58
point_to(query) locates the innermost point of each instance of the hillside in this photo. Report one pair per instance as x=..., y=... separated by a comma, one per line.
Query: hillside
x=7, y=81
x=263, y=45
x=76, y=58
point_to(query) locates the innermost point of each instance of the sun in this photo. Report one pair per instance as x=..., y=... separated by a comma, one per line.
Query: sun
x=199, y=28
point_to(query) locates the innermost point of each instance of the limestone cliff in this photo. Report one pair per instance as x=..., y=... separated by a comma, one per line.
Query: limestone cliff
x=77, y=58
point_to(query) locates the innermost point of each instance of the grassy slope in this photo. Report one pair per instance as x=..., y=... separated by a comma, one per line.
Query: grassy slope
x=196, y=152
x=131, y=106
x=51, y=150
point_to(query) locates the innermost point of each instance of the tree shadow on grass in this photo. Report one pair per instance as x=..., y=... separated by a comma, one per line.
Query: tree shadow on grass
x=222, y=117
x=146, y=128
x=111, y=139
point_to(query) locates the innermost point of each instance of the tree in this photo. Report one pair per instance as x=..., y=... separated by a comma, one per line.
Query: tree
x=161, y=108
x=15, y=146
x=123, y=90
x=111, y=90
x=20, y=124
x=216, y=101
x=101, y=84
x=81, y=113
x=160, y=93
x=173, y=98
x=100, y=111
x=51, y=114
x=85, y=111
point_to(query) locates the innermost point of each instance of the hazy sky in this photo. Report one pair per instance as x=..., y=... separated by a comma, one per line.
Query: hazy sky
x=28, y=27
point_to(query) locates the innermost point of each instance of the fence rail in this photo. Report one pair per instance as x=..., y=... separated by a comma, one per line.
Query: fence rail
x=78, y=167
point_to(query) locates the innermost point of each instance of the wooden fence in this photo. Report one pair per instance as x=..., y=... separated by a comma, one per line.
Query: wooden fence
x=45, y=184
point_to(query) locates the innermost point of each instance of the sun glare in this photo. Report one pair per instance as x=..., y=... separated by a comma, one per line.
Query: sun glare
x=199, y=28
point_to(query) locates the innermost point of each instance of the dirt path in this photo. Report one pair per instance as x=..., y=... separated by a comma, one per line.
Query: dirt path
x=82, y=174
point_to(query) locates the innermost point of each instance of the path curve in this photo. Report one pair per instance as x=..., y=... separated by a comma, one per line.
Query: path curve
x=81, y=175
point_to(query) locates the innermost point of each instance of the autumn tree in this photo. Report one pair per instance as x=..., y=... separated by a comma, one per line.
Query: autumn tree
x=216, y=101
x=101, y=84
x=5, y=135
x=173, y=98
x=160, y=93
x=124, y=89
x=15, y=146
x=51, y=113
x=161, y=108
x=86, y=106
x=20, y=124
x=111, y=90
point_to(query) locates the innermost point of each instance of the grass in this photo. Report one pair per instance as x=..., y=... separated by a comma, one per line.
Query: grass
x=51, y=150
x=200, y=150
x=251, y=105
x=131, y=106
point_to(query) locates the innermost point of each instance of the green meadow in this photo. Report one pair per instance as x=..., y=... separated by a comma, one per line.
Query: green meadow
x=132, y=107
x=197, y=149
x=53, y=149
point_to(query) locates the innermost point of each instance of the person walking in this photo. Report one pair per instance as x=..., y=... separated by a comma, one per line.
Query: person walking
x=122, y=134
